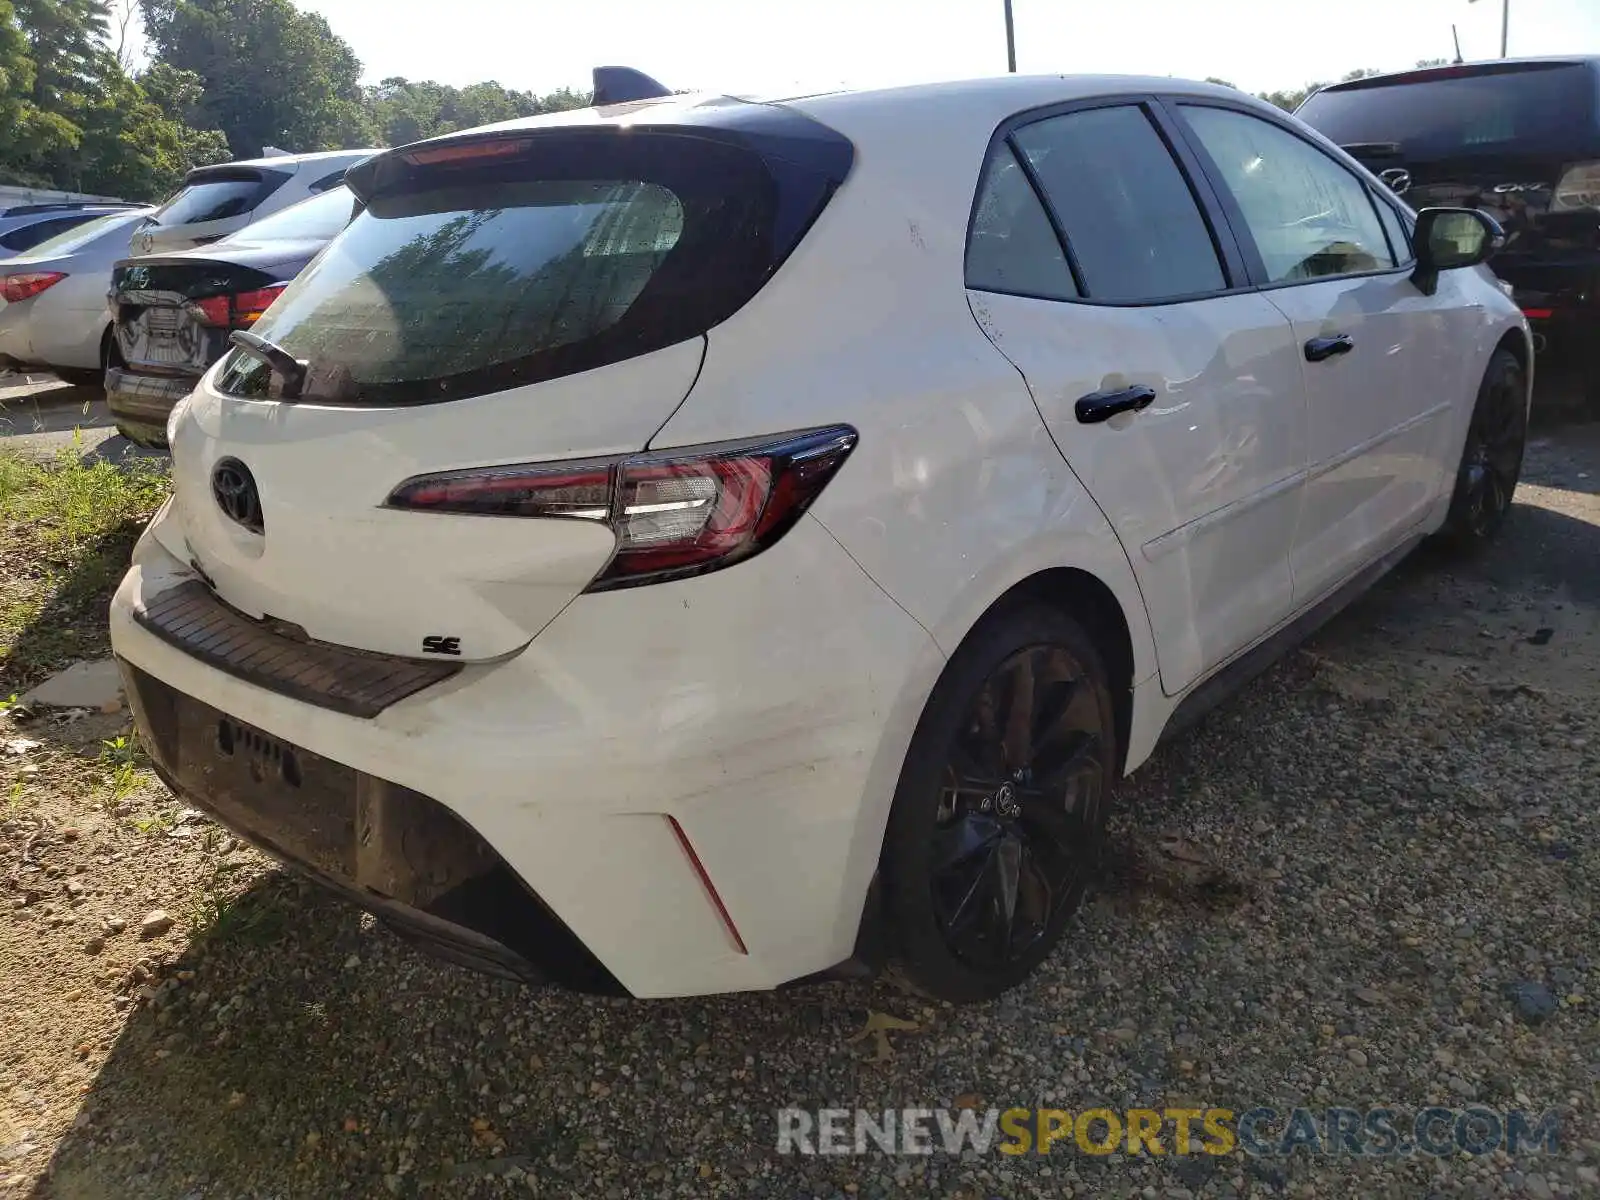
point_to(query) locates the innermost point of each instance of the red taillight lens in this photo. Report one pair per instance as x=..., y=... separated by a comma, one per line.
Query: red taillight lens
x=248, y=306
x=674, y=512
x=16, y=288
x=239, y=311
x=1538, y=314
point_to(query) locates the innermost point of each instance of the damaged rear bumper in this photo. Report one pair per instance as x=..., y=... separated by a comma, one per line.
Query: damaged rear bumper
x=395, y=852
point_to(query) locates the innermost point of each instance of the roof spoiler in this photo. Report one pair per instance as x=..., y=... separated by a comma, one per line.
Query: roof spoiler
x=618, y=85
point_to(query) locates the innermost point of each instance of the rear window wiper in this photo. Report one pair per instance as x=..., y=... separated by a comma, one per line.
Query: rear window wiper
x=292, y=370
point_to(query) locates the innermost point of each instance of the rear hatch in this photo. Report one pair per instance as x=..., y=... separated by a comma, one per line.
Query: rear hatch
x=172, y=313
x=530, y=293
x=213, y=202
x=1520, y=140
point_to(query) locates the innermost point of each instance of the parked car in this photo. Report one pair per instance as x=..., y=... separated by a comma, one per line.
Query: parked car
x=24, y=226
x=1518, y=139
x=54, y=313
x=699, y=545
x=172, y=313
x=217, y=201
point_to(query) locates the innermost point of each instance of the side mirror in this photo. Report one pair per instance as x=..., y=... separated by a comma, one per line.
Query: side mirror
x=1447, y=238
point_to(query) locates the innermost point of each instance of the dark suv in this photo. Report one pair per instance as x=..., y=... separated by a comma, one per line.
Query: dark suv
x=1517, y=138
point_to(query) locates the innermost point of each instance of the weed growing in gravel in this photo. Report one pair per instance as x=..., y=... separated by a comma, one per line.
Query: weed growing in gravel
x=156, y=822
x=14, y=800
x=215, y=912
x=124, y=759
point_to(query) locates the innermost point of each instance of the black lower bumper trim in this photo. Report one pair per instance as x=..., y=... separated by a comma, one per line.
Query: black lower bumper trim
x=401, y=855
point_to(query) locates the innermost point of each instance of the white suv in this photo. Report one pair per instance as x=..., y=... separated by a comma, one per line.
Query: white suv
x=216, y=201
x=701, y=544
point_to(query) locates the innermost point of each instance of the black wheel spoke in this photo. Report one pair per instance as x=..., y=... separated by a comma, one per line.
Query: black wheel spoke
x=1017, y=729
x=1022, y=778
x=1005, y=865
x=1080, y=755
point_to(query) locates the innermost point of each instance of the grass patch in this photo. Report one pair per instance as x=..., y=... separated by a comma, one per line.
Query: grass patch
x=66, y=530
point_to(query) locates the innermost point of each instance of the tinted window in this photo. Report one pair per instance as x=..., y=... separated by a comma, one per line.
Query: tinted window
x=1537, y=107
x=320, y=217
x=1128, y=213
x=30, y=236
x=1308, y=215
x=328, y=181
x=217, y=198
x=493, y=270
x=76, y=238
x=1013, y=247
x=1399, y=232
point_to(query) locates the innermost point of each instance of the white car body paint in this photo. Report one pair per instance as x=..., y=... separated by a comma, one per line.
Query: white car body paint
x=767, y=708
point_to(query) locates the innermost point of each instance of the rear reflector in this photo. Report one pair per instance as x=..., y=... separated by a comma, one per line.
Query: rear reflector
x=1538, y=314
x=674, y=512
x=711, y=888
x=16, y=288
x=239, y=311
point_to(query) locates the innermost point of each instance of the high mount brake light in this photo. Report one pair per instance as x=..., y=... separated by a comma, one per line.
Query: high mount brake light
x=238, y=311
x=17, y=288
x=466, y=152
x=674, y=512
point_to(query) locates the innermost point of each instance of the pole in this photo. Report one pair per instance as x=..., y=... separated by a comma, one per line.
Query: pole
x=1011, y=40
x=1505, y=26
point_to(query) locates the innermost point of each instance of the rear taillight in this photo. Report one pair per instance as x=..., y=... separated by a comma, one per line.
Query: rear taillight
x=1579, y=188
x=674, y=512
x=238, y=311
x=16, y=288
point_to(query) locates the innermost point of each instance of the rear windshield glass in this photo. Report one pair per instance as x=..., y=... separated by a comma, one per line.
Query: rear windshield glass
x=472, y=278
x=1527, y=110
x=320, y=217
x=216, y=199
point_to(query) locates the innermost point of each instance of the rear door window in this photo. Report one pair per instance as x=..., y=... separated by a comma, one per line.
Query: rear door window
x=1131, y=221
x=1013, y=247
x=39, y=232
x=1308, y=215
x=216, y=198
x=475, y=270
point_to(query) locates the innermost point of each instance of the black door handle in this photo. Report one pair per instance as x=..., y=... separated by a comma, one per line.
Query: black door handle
x=1318, y=349
x=1102, y=406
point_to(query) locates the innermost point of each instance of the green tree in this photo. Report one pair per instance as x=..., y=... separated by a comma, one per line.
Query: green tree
x=1293, y=98
x=405, y=111
x=272, y=75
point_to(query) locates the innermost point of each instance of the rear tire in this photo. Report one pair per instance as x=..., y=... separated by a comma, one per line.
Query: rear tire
x=1491, y=459
x=998, y=819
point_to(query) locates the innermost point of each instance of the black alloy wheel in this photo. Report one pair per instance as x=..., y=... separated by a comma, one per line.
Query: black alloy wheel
x=1491, y=460
x=996, y=832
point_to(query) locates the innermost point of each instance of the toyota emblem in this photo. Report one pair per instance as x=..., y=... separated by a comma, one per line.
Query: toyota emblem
x=234, y=489
x=1398, y=179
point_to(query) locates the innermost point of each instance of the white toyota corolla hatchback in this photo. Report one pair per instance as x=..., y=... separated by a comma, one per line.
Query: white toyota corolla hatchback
x=699, y=544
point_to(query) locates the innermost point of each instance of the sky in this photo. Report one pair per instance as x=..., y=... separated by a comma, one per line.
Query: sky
x=791, y=46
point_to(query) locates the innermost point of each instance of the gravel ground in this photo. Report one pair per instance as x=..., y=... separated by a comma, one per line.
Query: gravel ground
x=1372, y=879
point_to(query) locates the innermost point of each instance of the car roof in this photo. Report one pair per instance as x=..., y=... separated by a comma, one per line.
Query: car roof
x=1498, y=66
x=932, y=104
